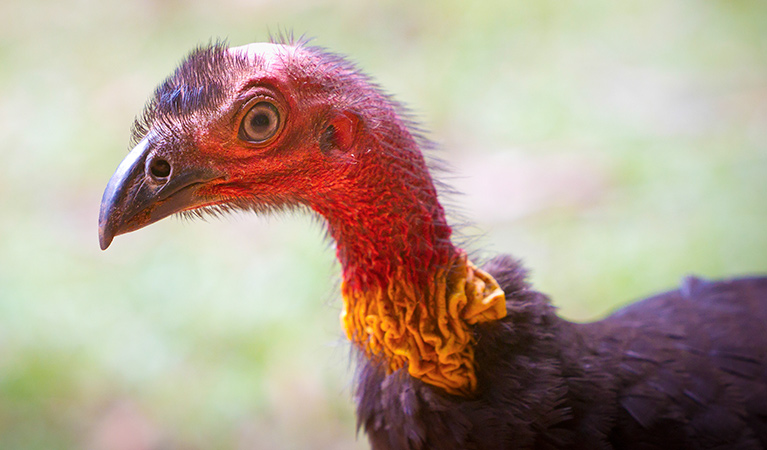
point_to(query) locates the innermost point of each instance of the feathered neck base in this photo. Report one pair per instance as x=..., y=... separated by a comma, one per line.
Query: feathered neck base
x=427, y=331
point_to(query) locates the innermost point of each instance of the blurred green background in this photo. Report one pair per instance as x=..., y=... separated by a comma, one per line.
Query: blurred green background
x=613, y=146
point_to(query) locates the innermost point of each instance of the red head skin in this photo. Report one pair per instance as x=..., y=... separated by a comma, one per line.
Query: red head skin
x=341, y=149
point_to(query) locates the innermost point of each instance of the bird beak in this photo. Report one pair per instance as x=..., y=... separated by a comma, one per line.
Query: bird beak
x=135, y=198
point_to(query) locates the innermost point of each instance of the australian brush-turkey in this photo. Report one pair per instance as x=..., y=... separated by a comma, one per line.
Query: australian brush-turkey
x=451, y=355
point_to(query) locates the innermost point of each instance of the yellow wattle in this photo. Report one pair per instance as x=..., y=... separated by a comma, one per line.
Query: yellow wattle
x=426, y=330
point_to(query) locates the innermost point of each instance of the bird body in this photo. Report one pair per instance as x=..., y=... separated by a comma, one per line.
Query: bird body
x=452, y=356
x=659, y=374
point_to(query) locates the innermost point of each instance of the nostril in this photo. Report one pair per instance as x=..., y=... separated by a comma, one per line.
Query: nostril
x=159, y=168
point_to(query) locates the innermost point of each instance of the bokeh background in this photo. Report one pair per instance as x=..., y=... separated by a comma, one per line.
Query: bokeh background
x=613, y=146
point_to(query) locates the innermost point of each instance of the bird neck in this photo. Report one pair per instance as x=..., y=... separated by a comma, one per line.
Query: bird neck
x=410, y=296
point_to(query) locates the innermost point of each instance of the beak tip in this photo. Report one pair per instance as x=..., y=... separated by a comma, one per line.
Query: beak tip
x=106, y=228
x=105, y=238
x=104, y=244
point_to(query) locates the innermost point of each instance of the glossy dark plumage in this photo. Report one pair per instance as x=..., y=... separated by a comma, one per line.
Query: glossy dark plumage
x=685, y=369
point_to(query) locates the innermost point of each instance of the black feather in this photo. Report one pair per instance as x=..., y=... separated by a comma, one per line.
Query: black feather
x=680, y=370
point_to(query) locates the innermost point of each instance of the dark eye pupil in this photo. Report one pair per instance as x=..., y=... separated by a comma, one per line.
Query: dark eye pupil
x=260, y=121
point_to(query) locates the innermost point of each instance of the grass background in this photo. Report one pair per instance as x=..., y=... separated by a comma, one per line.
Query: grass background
x=614, y=146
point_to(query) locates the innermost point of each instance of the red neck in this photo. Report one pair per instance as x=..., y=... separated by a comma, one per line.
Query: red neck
x=389, y=216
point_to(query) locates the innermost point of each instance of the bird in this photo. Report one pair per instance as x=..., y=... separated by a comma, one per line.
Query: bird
x=450, y=354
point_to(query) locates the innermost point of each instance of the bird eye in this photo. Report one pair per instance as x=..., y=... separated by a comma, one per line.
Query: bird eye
x=261, y=123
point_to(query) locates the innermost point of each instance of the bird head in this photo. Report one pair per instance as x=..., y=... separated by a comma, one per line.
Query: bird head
x=263, y=126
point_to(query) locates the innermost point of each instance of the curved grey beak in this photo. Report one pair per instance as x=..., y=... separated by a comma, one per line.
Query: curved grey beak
x=146, y=188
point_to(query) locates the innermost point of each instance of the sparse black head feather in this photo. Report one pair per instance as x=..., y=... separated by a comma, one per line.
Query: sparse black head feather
x=198, y=85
